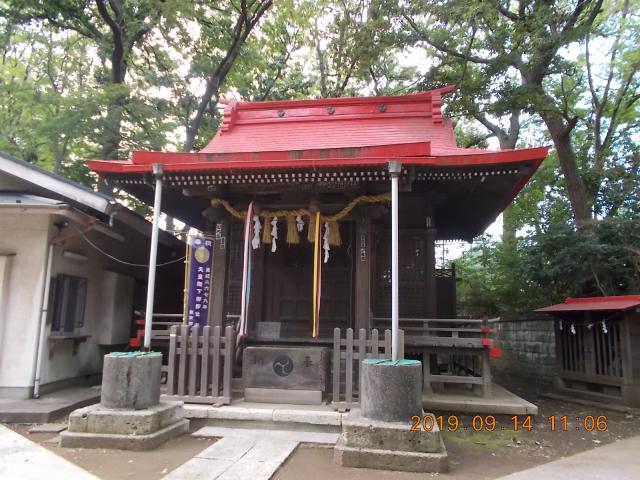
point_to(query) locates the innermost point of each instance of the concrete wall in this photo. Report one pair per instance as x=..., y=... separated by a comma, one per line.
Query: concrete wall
x=25, y=237
x=528, y=351
x=24, y=243
x=24, y=240
x=62, y=363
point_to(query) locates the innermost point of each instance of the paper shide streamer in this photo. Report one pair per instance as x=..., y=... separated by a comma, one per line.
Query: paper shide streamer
x=274, y=234
x=325, y=242
x=257, y=228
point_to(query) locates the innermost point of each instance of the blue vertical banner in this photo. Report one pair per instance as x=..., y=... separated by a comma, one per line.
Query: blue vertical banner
x=198, y=281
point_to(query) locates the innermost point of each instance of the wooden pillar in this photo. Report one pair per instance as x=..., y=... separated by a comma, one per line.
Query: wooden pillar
x=256, y=299
x=430, y=274
x=362, y=258
x=431, y=294
x=219, y=274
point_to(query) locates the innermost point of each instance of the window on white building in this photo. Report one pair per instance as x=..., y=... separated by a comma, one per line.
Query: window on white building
x=69, y=304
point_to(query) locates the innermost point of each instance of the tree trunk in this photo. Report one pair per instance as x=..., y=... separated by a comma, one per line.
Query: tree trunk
x=576, y=191
x=211, y=93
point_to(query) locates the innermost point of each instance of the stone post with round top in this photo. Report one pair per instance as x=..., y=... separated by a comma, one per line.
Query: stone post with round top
x=379, y=435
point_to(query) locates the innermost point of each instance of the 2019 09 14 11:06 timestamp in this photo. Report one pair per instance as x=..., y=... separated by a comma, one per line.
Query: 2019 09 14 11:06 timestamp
x=489, y=423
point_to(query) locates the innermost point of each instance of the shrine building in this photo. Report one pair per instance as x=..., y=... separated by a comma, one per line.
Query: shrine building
x=295, y=201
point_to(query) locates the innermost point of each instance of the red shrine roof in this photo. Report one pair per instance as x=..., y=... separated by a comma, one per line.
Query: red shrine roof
x=593, y=304
x=332, y=132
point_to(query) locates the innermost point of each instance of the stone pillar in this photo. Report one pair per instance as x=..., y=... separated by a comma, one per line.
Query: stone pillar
x=130, y=415
x=131, y=380
x=391, y=391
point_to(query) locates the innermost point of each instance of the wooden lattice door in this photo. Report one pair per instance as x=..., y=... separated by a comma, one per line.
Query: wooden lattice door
x=412, y=265
x=288, y=288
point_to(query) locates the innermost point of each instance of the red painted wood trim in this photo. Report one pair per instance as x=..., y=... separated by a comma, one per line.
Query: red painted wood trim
x=201, y=162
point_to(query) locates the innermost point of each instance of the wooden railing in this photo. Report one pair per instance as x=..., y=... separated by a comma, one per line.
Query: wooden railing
x=348, y=352
x=444, y=332
x=160, y=328
x=461, y=345
x=200, y=364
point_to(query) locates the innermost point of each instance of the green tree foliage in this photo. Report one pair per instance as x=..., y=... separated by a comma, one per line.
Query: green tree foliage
x=560, y=72
x=46, y=85
x=99, y=78
x=544, y=267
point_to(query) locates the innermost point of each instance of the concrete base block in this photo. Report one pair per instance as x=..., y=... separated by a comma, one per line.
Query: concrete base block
x=390, y=459
x=361, y=432
x=98, y=419
x=99, y=427
x=123, y=442
x=367, y=443
x=280, y=395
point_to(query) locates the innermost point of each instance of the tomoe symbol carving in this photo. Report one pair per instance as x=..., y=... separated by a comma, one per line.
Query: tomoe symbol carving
x=283, y=365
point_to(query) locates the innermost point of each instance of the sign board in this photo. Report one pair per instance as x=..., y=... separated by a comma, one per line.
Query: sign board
x=198, y=280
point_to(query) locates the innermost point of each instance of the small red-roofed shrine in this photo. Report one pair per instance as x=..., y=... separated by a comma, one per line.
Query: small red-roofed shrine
x=597, y=341
x=316, y=180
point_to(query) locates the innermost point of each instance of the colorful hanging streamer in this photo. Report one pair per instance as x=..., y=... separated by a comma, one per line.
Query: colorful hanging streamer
x=317, y=274
x=246, y=273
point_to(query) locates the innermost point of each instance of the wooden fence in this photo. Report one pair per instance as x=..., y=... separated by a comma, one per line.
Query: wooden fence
x=348, y=352
x=200, y=364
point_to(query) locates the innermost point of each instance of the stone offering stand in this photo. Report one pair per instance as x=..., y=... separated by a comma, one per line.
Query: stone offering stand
x=130, y=415
x=379, y=435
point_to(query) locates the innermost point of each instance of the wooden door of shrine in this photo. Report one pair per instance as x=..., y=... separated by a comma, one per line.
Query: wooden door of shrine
x=412, y=265
x=288, y=288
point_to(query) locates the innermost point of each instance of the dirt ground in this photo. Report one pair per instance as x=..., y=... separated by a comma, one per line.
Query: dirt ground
x=124, y=465
x=472, y=455
x=486, y=455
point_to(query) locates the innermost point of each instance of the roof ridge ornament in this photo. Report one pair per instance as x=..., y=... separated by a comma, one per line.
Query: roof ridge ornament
x=229, y=114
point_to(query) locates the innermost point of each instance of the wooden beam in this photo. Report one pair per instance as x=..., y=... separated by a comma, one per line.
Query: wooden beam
x=219, y=275
x=431, y=295
x=362, y=258
x=430, y=273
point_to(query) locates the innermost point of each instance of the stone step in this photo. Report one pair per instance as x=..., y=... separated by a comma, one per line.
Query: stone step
x=275, y=413
x=299, y=435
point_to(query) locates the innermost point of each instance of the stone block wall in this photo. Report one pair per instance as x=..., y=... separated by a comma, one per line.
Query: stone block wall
x=528, y=351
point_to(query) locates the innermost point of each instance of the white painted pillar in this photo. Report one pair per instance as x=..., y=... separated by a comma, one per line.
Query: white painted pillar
x=153, y=256
x=394, y=170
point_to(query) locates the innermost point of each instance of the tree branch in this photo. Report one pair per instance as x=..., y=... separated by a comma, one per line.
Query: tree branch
x=423, y=36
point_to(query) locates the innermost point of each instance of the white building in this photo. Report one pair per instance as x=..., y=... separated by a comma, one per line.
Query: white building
x=54, y=334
